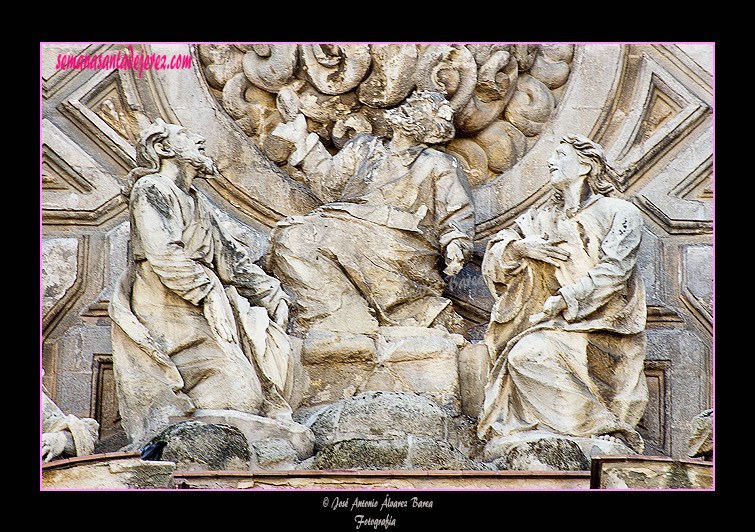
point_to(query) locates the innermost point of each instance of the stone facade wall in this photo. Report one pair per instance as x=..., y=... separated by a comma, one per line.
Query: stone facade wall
x=649, y=105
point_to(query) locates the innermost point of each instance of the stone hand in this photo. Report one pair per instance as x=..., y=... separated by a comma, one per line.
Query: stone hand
x=218, y=312
x=285, y=139
x=53, y=444
x=539, y=248
x=552, y=306
x=292, y=131
x=454, y=259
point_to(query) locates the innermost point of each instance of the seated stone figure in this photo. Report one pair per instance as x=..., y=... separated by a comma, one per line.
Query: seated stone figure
x=394, y=210
x=196, y=324
x=65, y=435
x=567, y=330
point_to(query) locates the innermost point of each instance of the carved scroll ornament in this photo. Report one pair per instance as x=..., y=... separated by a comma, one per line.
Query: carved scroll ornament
x=502, y=94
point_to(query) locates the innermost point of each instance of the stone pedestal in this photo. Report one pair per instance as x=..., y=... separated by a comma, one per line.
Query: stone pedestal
x=397, y=359
x=108, y=471
x=650, y=472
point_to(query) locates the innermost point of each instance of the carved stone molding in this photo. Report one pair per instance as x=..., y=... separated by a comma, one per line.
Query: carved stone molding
x=679, y=197
x=64, y=267
x=697, y=284
x=661, y=112
x=75, y=187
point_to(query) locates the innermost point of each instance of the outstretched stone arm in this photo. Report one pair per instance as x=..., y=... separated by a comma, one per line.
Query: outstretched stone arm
x=325, y=174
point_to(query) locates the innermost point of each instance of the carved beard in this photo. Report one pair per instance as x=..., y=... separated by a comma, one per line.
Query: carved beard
x=204, y=165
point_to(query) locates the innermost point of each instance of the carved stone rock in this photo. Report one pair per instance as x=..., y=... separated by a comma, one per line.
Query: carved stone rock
x=394, y=454
x=381, y=415
x=544, y=454
x=227, y=440
x=267, y=436
x=388, y=430
x=195, y=445
x=542, y=450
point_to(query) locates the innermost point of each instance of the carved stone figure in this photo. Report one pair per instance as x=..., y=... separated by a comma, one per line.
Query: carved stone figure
x=65, y=435
x=567, y=330
x=196, y=324
x=394, y=211
x=389, y=399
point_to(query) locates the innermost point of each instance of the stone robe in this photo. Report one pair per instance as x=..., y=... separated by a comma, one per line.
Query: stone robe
x=370, y=256
x=168, y=360
x=84, y=431
x=580, y=374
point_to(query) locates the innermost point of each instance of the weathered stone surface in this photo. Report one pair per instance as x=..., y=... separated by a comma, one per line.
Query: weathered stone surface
x=275, y=453
x=277, y=443
x=124, y=471
x=701, y=440
x=318, y=348
x=650, y=106
x=228, y=440
x=650, y=473
x=422, y=360
x=198, y=445
x=546, y=454
x=379, y=415
x=539, y=450
x=361, y=453
x=59, y=266
x=396, y=359
x=432, y=454
x=384, y=430
x=410, y=452
x=474, y=365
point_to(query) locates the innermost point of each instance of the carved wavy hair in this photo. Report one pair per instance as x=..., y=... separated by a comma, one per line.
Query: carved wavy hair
x=443, y=129
x=147, y=159
x=600, y=178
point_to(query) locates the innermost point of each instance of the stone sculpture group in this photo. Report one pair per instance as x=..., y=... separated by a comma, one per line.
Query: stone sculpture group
x=340, y=343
